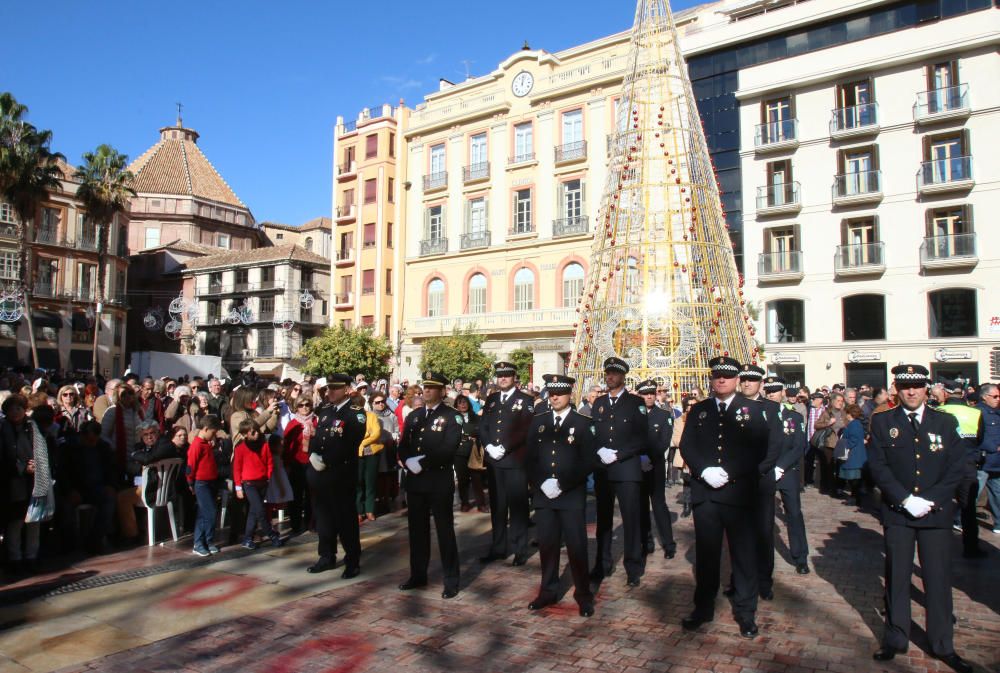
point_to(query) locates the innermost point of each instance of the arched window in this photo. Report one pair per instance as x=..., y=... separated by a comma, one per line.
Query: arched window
x=952, y=313
x=864, y=317
x=477, y=294
x=785, y=321
x=524, y=290
x=435, y=298
x=572, y=284
x=309, y=243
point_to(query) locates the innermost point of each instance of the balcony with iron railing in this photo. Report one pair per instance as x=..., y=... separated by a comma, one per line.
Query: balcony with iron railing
x=343, y=299
x=570, y=226
x=942, y=104
x=859, y=259
x=44, y=290
x=46, y=235
x=86, y=242
x=554, y=320
x=475, y=239
x=521, y=230
x=86, y=294
x=858, y=187
x=435, y=181
x=857, y=120
x=476, y=172
x=433, y=246
x=346, y=213
x=523, y=158
x=780, y=266
x=568, y=152
x=778, y=198
x=344, y=256
x=347, y=170
x=777, y=135
x=949, y=251
x=945, y=175
x=9, y=231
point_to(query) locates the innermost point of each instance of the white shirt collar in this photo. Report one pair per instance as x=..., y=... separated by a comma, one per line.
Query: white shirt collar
x=918, y=411
x=430, y=409
x=727, y=401
x=561, y=415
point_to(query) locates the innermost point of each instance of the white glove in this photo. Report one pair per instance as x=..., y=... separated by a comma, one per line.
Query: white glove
x=496, y=452
x=316, y=462
x=917, y=507
x=778, y=473
x=715, y=477
x=413, y=464
x=550, y=487
x=647, y=464
x=607, y=455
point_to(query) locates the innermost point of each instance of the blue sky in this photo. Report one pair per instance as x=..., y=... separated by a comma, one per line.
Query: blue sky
x=262, y=82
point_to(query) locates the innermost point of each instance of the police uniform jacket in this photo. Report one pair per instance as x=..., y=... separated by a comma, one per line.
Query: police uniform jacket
x=621, y=427
x=737, y=441
x=927, y=464
x=507, y=425
x=568, y=454
x=437, y=435
x=338, y=434
x=660, y=423
x=775, y=443
x=792, y=427
x=470, y=431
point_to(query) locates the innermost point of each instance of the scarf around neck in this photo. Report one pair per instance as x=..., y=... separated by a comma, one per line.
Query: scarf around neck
x=306, y=420
x=40, y=454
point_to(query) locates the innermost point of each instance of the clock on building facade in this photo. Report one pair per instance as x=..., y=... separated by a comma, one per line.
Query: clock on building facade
x=522, y=84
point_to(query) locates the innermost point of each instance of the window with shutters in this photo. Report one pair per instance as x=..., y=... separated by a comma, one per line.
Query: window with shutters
x=371, y=146
x=371, y=190
x=477, y=294
x=370, y=235
x=435, y=298
x=524, y=144
x=522, y=212
x=780, y=188
x=388, y=281
x=781, y=250
x=857, y=171
x=368, y=281
x=435, y=223
x=265, y=343
x=572, y=284
x=266, y=308
x=524, y=290
x=367, y=320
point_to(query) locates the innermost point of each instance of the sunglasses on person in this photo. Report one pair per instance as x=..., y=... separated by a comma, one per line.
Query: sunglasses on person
x=304, y=405
x=68, y=395
x=378, y=402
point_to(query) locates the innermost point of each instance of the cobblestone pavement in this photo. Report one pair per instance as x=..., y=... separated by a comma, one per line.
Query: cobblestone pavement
x=256, y=614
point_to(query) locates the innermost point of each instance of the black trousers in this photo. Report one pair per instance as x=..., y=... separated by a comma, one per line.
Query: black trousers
x=798, y=546
x=933, y=548
x=654, y=492
x=627, y=494
x=300, y=508
x=418, y=517
x=509, y=507
x=336, y=509
x=968, y=493
x=556, y=526
x=712, y=520
x=467, y=477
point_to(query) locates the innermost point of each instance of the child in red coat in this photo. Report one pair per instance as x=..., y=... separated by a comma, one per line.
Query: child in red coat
x=252, y=469
x=203, y=477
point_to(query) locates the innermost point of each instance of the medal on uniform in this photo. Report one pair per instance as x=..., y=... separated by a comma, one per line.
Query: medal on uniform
x=703, y=415
x=894, y=432
x=937, y=443
x=571, y=437
x=600, y=409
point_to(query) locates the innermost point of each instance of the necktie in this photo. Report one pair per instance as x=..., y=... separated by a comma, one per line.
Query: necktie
x=722, y=408
x=503, y=398
x=558, y=422
x=913, y=422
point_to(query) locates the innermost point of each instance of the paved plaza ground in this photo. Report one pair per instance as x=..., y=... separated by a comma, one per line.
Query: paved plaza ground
x=162, y=609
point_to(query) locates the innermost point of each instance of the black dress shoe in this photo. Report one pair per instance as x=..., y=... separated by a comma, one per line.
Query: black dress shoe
x=586, y=610
x=351, y=571
x=490, y=558
x=411, y=584
x=767, y=595
x=650, y=547
x=885, y=654
x=449, y=593
x=519, y=560
x=693, y=622
x=540, y=603
x=802, y=569
x=729, y=591
x=322, y=565
x=748, y=630
x=669, y=553
x=956, y=663
x=632, y=581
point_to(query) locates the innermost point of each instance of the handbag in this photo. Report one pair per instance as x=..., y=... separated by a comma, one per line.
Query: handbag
x=477, y=457
x=842, y=450
x=41, y=508
x=818, y=440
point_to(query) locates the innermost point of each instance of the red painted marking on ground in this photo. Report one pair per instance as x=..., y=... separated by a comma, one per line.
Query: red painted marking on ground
x=188, y=597
x=356, y=650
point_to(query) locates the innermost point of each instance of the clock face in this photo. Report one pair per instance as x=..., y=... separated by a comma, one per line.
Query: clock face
x=522, y=84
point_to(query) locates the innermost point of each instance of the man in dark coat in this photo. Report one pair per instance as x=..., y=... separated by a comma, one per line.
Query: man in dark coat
x=916, y=458
x=503, y=429
x=725, y=444
x=427, y=449
x=560, y=454
x=332, y=475
x=654, y=473
x=620, y=427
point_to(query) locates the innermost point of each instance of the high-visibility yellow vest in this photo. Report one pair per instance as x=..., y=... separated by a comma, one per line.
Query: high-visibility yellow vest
x=968, y=418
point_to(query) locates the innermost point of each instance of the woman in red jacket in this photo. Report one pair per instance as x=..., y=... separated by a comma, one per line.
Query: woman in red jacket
x=295, y=444
x=252, y=469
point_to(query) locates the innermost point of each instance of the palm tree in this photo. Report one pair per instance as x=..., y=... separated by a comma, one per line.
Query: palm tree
x=29, y=170
x=105, y=189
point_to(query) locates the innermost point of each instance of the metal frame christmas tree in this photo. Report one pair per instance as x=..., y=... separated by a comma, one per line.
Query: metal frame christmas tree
x=663, y=291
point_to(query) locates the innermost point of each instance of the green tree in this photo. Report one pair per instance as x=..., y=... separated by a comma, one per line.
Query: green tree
x=522, y=358
x=348, y=351
x=29, y=170
x=458, y=356
x=105, y=189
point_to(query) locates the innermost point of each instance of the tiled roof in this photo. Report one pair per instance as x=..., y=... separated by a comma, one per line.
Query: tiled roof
x=277, y=253
x=185, y=246
x=317, y=223
x=178, y=166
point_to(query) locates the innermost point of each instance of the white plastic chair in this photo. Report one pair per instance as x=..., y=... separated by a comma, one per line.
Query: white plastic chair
x=166, y=472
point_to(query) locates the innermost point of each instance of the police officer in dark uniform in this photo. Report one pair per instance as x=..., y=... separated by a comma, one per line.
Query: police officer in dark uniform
x=503, y=429
x=725, y=444
x=621, y=435
x=560, y=453
x=427, y=449
x=916, y=458
x=654, y=473
x=971, y=430
x=332, y=475
x=786, y=475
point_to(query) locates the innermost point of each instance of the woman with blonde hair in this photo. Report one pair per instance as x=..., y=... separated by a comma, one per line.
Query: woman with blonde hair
x=70, y=413
x=295, y=451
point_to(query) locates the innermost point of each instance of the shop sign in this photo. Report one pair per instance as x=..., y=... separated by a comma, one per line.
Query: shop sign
x=864, y=356
x=784, y=358
x=947, y=355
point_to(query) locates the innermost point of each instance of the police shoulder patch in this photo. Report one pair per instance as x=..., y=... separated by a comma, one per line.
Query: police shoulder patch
x=593, y=430
x=458, y=419
x=642, y=409
x=361, y=418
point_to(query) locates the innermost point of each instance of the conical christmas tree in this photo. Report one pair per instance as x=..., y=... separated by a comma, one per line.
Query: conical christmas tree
x=663, y=290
